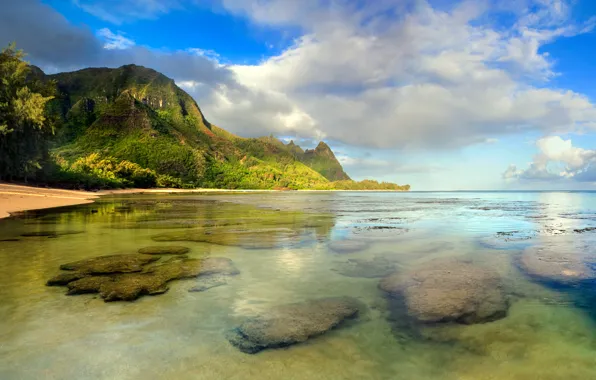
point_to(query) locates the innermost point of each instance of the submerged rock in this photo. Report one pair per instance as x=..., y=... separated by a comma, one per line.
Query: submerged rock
x=51, y=233
x=152, y=280
x=348, y=246
x=564, y=264
x=449, y=291
x=111, y=264
x=375, y=268
x=164, y=250
x=289, y=324
x=254, y=238
x=63, y=279
x=207, y=282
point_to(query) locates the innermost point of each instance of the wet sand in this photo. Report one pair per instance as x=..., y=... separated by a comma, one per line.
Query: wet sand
x=15, y=198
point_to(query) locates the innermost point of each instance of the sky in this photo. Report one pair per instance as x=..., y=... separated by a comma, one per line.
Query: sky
x=440, y=94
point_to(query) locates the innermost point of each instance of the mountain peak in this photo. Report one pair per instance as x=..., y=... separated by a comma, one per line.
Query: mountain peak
x=323, y=160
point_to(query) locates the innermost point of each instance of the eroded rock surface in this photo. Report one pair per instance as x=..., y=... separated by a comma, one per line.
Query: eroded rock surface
x=449, y=291
x=566, y=263
x=293, y=323
x=164, y=250
x=150, y=280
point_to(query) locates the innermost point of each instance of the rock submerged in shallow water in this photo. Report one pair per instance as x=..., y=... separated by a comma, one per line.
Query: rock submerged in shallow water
x=348, y=246
x=205, y=283
x=111, y=264
x=63, y=279
x=164, y=250
x=565, y=264
x=51, y=234
x=449, y=291
x=118, y=286
x=286, y=325
x=375, y=268
x=254, y=238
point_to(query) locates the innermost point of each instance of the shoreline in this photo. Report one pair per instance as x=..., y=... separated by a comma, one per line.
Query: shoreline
x=19, y=198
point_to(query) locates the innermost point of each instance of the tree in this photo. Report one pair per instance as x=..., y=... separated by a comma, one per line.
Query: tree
x=24, y=125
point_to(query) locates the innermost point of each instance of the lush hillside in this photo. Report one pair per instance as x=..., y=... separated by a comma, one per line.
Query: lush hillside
x=132, y=126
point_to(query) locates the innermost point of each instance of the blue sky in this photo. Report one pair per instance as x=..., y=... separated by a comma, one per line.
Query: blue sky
x=440, y=94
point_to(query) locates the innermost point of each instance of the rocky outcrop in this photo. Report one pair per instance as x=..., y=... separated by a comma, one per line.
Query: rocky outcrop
x=449, y=290
x=293, y=323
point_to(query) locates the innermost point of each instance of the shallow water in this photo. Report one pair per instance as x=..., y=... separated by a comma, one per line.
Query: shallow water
x=281, y=243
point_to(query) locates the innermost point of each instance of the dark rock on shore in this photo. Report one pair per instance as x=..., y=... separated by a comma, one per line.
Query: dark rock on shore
x=111, y=264
x=164, y=250
x=289, y=324
x=567, y=263
x=449, y=290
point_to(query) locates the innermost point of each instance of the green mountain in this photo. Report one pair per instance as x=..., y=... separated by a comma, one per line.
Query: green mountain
x=132, y=126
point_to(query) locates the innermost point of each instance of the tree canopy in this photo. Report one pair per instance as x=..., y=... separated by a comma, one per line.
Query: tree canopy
x=24, y=123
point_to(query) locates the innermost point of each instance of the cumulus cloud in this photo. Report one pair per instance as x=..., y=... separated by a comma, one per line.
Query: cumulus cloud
x=403, y=74
x=383, y=74
x=557, y=159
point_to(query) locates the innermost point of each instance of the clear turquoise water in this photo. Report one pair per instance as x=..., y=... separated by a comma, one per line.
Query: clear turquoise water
x=548, y=333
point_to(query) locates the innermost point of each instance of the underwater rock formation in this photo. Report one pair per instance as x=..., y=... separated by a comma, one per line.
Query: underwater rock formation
x=286, y=325
x=375, y=268
x=253, y=238
x=111, y=264
x=164, y=250
x=348, y=246
x=150, y=280
x=564, y=264
x=449, y=291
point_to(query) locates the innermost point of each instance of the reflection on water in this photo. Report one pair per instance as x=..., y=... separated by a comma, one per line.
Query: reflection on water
x=294, y=248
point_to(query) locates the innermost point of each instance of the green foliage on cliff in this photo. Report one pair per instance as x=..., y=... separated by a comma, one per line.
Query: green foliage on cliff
x=132, y=126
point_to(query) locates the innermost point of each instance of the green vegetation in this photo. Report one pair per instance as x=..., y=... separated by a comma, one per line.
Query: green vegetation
x=24, y=125
x=133, y=127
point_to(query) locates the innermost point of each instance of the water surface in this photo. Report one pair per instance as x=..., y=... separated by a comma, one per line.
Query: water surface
x=281, y=244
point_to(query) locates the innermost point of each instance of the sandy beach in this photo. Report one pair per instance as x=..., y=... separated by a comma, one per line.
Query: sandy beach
x=16, y=198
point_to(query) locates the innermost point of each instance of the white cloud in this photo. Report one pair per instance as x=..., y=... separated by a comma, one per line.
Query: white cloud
x=379, y=76
x=557, y=159
x=114, y=41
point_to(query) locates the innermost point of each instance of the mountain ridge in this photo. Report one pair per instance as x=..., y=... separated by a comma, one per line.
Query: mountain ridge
x=133, y=115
